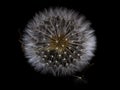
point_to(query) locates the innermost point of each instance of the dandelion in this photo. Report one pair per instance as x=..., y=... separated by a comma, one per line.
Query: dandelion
x=59, y=41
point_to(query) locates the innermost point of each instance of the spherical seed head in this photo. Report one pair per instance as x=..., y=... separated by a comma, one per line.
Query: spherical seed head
x=59, y=41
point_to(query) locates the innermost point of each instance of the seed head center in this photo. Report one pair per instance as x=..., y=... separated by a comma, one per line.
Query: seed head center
x=59, y=43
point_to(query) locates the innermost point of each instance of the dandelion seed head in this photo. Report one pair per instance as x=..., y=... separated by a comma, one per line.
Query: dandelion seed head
x=59, y=41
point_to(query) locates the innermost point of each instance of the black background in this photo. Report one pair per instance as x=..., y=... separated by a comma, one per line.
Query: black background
x=19, y=73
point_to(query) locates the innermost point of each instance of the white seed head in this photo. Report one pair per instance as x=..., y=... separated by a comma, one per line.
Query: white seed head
x=59, y=41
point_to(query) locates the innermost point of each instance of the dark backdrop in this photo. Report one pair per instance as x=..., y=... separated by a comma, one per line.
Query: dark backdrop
x=19, y=73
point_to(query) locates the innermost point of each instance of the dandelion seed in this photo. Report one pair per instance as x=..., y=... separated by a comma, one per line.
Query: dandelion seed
x=50, y=61
x=63, y=45
x=64, y=59
x=59, y=55
x=56, y=41
x=45, y=55
x=52, y=56
x=56, y=48
x=65, y=52
x=56, y=61
x=78, y=54
x=48, y=50
x=70, y=55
